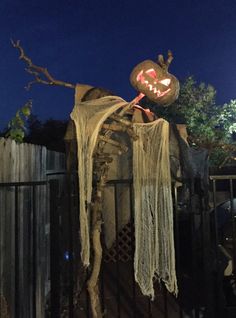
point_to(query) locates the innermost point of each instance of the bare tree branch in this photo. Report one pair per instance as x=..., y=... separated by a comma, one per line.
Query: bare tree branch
x=40, y=73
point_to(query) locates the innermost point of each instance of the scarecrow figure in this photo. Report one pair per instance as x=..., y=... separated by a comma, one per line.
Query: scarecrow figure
x=106, y=127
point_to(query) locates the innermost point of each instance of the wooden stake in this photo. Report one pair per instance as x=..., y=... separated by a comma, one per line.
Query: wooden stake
x=93, y=282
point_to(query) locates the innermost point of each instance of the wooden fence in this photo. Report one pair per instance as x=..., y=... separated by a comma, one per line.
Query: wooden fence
x=24, y=226
x=26, y=241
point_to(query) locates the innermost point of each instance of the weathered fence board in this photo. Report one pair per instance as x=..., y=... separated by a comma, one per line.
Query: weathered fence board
x=24, y=226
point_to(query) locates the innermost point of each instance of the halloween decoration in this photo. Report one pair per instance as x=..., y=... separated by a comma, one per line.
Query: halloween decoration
x=153, y=80
x=96, y=122
x=93, y=162
x=151, y=170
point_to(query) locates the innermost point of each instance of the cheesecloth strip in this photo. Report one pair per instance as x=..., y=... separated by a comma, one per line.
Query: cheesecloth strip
x=89, y=117
x=154, y=237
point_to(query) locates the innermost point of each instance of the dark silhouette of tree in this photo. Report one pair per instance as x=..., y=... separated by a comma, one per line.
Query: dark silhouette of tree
x=49, y=133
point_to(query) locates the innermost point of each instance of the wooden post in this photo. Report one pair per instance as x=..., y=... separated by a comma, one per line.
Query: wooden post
x=101, y=171
x=93, y=282
x=4, y=312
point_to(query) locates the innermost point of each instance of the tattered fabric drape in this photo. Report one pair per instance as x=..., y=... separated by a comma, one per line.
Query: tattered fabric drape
x=89, y=117
x=154, y=239
x=154, y=252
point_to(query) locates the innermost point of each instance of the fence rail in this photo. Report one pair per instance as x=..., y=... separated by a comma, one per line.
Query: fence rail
x=223, y=189
x=46, y=279
x=120, y=295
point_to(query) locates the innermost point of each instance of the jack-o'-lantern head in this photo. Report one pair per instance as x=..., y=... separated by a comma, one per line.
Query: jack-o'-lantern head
x=153, y=80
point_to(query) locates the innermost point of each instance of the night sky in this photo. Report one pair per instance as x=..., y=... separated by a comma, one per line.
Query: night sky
x=99, y=42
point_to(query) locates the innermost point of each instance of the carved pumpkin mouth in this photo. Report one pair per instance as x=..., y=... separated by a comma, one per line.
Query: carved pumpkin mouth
x=150, y=84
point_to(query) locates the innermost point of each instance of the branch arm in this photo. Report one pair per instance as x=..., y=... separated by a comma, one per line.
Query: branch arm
x=38, y=71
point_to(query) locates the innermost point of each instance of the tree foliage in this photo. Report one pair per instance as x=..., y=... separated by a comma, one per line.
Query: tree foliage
x=209, y=125
x=17, y=127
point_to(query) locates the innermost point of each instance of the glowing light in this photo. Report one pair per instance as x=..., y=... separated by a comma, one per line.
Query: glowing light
x=165, y=81
x=67, y=256
x=151, y=72
x=139, y=76
x=138, y=98
x=163, y=93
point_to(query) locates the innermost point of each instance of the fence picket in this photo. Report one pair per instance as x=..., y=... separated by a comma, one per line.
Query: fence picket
x=25, y=163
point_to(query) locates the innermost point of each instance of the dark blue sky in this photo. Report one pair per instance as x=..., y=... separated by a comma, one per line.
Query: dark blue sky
x=99, y=42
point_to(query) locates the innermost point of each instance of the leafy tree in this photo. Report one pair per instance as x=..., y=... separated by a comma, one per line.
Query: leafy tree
x=209, y=125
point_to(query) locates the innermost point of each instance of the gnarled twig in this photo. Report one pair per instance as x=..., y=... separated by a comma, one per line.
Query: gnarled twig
x=165, y=64
x=40, y=73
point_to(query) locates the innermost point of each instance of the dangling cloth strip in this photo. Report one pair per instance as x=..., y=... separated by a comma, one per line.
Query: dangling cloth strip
x=154, y=238
x=89, y=117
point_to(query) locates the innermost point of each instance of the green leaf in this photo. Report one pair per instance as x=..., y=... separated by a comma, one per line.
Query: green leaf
x=17, y=125
x=26, y=109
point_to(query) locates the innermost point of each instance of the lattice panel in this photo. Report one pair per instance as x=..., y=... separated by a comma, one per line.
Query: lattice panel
x=122, y=250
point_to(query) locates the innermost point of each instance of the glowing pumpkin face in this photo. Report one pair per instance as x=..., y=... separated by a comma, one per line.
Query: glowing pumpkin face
x=155, y=82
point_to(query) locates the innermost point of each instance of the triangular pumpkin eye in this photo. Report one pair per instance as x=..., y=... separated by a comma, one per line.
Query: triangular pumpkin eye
x=151, y=72
x=165, y=81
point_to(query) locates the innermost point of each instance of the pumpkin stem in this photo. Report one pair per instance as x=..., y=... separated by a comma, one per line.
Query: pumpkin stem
x=165, y=64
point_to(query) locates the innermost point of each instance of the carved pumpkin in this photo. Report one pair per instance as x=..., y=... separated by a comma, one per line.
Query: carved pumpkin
x=155, y=82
